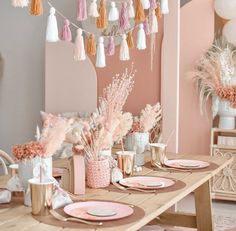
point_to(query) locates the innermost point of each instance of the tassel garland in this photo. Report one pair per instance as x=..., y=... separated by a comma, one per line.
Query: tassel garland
x=131, y=9
x=153, y=22
x=81, y=10
x=130, y=40
x=164, y=7
x=93, y=9
x=124, y=49
x=52, y=29
x=100, y=57
x=79, y=52
x=141, y=38
x=36, y=7
x=113, y=13
x=153, y=4
x=145, y=4
x=139, y=14
x=158, y=11
x=124, y=17
x=102, y=22
x=110, y=49
x=66, y=32
x=146, y=27
x=91, y=45
x=20, y=3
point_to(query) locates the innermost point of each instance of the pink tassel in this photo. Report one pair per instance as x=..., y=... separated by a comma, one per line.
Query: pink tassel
x=153, y=4
x=66, y=33
x=79, y=51
x=110, y=50
x=146, y=26
x=124, y=17
x=81, y=10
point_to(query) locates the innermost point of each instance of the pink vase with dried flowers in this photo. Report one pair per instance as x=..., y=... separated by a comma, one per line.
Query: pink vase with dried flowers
x=98, y=173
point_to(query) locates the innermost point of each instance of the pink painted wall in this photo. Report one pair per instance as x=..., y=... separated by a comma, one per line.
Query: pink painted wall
x=196, y=35
x=147, y=83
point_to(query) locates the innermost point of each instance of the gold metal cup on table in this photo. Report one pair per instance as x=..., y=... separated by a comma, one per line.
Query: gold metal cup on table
x=125, y=161
x=158, y=153
x=41, y=196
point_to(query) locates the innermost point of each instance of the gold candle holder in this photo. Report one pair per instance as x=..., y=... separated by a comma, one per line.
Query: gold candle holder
x=158, y=153
x=125, y=161
x=41, y=196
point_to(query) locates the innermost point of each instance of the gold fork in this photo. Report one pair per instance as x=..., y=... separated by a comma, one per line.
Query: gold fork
x=61, y=218
x=133, y=188
x=165, y=168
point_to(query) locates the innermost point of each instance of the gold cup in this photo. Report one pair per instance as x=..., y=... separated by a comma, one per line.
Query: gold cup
x=41, y=196
x=125, y=161
x=158, y=153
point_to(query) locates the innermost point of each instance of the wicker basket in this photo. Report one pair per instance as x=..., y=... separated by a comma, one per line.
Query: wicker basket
x=98, y=173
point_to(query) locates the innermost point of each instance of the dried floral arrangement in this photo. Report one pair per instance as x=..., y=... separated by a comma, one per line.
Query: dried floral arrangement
x=27, y=151
x=48, y=142
x=215, y=75
x=108, y=124
x=149, y=118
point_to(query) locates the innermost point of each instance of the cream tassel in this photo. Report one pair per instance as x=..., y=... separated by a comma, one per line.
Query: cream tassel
x=52, y=29
x=93, y=9
x=100, y=57
x=153, y=22
x=124, y=49
x=131, y=11
x=146, y=4
x=164, y=7
x=113, y=13
x=20, y=3
x=79, y=51
x=141, y=38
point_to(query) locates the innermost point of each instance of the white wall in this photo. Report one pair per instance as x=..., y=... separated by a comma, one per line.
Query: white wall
x=22, y=42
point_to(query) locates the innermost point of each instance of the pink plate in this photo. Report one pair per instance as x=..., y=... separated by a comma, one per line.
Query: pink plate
x=147, y=182
x=186, y=164
x=80, y=210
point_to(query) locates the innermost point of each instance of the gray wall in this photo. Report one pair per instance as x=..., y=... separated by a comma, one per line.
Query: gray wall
x=22, y=45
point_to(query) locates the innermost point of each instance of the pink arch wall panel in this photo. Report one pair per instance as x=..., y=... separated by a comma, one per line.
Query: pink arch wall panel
x=196, y=35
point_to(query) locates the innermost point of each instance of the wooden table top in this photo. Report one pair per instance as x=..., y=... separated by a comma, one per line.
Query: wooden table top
x=19, y=218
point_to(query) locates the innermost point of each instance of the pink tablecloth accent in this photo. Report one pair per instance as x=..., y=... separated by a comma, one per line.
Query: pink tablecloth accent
x=79, y=174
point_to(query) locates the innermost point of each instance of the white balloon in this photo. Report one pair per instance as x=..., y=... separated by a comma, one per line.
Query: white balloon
x=229, y=31
x=226, y=8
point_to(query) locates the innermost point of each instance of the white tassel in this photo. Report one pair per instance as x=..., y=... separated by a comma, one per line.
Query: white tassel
x=131, y=11
x=141, y=38
x=20, y=3
x=164, y=7
x=52, y=29
x=113, y=13
x=79, y=51
x=93, y=9
x=124, y=49
x=153, y=22
x=100, y=57
x=145, y=4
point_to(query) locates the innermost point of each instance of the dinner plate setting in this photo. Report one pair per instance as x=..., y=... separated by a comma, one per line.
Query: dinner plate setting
x=98, y=210
x=186, y=164
x=147, y=182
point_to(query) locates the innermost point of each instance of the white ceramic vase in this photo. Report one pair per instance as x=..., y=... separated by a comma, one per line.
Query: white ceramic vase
x=138, y=142
x=226, y=114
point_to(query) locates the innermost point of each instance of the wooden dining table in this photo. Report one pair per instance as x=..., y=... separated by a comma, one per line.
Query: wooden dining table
x=156, y=206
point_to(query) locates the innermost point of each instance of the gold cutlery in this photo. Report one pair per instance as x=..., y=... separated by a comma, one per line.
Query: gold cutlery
x=133, y=188
x=61, y=218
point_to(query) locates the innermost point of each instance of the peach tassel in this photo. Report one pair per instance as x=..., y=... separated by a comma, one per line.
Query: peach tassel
x=158, y=11
x=130, y=40
x=139, y=14
x=91, y=45
x=102, y=21
x=36, y=7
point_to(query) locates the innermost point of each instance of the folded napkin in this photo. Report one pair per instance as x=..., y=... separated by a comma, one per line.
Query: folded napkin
x=60, y=198
x=5, y=196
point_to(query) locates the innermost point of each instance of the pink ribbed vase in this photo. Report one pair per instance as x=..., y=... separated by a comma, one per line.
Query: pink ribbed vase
x=98, y=173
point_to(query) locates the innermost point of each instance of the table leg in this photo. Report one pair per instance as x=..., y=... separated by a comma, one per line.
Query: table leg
x=203, y=207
